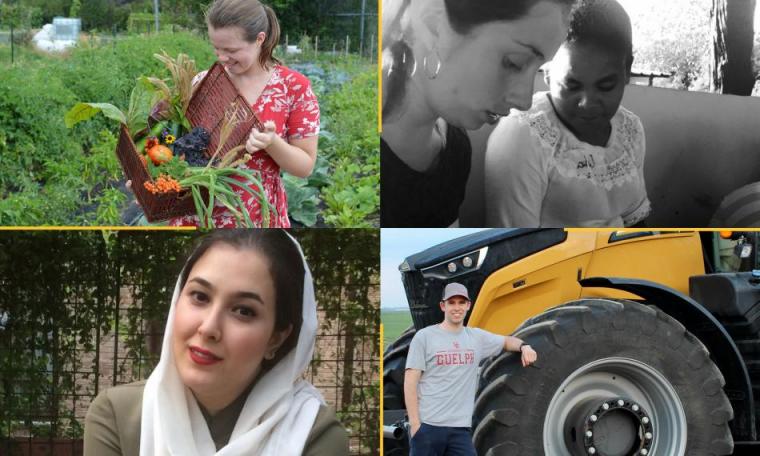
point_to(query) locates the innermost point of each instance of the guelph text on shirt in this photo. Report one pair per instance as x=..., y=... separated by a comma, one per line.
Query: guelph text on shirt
x=449, y=361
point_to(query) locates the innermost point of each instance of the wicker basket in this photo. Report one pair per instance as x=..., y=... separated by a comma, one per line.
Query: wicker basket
x=210, y=99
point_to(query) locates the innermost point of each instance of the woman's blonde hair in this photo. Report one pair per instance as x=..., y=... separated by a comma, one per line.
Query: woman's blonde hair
x=253, y=17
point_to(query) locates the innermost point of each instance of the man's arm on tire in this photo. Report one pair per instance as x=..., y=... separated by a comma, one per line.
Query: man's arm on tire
x=411, y=379
x=515, y=344
x=512, y=343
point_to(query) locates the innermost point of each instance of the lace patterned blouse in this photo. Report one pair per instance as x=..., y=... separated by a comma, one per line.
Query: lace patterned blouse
x=539, y=174
x=287, y=99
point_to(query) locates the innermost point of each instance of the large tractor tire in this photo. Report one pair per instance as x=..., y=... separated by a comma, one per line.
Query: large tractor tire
x=613, y=378
x=394, y=365
x=739, y=208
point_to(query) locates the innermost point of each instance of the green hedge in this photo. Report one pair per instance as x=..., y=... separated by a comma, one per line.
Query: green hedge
x=31, y=125
x=353, y=196
x=33, y=138
x=108, y=73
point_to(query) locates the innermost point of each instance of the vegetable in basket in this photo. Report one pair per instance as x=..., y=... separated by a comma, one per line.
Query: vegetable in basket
x=157, y=113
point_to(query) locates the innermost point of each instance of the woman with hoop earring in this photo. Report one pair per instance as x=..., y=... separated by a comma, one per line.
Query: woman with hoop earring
x=451, y=66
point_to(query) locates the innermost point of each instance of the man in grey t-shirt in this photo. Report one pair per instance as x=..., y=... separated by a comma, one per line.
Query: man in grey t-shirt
x=441, y=377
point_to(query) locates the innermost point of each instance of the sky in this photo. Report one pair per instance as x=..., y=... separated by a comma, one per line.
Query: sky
x=398, y=243
x=633, y=7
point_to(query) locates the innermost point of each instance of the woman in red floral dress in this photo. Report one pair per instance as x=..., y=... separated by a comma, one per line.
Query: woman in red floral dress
x=244, y=34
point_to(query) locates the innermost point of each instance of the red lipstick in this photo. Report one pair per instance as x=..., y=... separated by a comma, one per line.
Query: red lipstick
x=202, y=357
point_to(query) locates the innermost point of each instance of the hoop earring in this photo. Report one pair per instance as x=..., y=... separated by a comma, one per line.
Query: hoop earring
x=270, y=356
x=414, y=64
x=432, y=74
x=403, y=65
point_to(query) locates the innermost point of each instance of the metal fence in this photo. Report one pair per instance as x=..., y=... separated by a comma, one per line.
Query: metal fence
x=336, y=26
x=81, y=311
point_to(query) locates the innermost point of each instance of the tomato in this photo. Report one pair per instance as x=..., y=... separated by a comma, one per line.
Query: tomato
x=159, y=154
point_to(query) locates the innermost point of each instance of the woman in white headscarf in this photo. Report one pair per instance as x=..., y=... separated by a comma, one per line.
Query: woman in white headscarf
x=239, y=335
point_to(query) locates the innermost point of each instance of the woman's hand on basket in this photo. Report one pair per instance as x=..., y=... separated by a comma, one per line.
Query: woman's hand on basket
x=128, y=184
x=259, y=140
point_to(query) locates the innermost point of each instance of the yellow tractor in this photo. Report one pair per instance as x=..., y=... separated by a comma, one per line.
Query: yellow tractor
x=648, y=341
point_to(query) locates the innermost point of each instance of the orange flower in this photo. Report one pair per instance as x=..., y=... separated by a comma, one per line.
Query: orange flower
x=163, y=184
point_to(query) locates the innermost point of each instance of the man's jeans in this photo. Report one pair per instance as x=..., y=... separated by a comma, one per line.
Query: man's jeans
x=442, y=441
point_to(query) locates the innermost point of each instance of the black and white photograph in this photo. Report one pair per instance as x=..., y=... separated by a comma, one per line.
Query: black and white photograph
x=553, y=113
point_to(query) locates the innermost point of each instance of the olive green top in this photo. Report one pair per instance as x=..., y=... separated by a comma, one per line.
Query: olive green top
x=112, y=425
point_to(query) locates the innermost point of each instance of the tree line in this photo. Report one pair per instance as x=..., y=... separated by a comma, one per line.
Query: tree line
x=332, y=20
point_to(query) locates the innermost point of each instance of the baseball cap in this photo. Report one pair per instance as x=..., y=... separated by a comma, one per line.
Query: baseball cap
x=455, y=289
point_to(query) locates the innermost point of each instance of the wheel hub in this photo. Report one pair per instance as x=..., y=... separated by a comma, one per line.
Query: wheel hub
x=651, y=407
x=618, y=427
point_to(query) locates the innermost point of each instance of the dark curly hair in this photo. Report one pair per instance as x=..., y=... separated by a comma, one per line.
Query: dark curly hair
x=604, y=24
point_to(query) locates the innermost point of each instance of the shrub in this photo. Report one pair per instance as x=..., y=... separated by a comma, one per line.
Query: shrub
x=32, y=132
x=352, y=198
x=111, y=70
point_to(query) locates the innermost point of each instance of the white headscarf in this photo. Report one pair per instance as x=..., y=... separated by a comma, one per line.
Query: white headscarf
x=277, y=416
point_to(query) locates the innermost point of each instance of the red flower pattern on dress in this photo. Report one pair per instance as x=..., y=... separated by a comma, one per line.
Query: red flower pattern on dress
x=288, y=100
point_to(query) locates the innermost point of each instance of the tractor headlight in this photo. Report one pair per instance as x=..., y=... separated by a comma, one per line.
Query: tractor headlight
x=456, y=266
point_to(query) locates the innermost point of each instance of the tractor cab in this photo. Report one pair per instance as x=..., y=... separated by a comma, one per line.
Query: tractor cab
x=730, y=251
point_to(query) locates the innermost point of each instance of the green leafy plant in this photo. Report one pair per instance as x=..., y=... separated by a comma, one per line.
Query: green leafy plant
x=303, y=194
x=303, y=200
x=54, y=175
x=219, y=178
x=174, y=175
x=177, y=95
x=136, y=117
x=352, y=196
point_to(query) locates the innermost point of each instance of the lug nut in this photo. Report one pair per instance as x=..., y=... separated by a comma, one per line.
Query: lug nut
x=645, y=420
x=606, y=406
x=589, y=434
x=592, y=450
x=643, y=451
x=593, y=418
x=635, y=408
x=620, y=403
x=648, y=436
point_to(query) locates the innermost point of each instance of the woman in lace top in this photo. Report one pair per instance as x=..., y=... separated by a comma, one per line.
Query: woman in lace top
x=576, y=157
